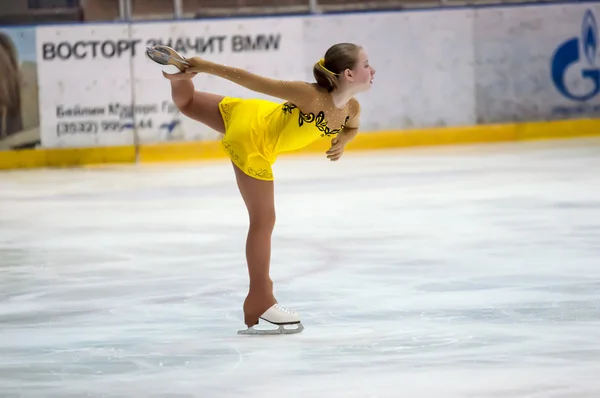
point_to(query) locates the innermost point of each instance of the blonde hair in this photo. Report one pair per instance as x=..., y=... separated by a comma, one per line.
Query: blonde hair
x=338, y=58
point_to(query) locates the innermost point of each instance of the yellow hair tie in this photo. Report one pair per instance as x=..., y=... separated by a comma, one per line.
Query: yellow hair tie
x=322, y=63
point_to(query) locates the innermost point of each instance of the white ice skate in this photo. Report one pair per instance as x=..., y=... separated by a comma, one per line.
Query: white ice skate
x=279, y=316
x=170, y=61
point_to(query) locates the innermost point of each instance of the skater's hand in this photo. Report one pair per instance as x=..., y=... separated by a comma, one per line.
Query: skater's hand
x=180, y=76
x=337, y=148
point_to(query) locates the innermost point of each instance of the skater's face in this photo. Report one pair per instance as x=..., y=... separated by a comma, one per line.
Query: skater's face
x=362, y=75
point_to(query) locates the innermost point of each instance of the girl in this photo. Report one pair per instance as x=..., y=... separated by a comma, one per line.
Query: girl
x=255, y=131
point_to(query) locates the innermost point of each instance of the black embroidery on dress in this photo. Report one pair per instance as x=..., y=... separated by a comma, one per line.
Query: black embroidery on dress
x=287, y=107
x=261, y=173
x=241, y=163
x=234, y=156
x=319, y=119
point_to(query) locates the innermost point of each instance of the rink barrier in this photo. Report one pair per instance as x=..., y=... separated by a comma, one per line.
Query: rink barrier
x=462, y=66
x=457, y=66
x=66, y=157
x=211, y=150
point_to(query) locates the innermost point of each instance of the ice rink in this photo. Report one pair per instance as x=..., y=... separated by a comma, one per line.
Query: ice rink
x=469, y=272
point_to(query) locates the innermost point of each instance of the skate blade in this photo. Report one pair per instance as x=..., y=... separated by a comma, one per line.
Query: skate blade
x=163, y=58
x=251, y=331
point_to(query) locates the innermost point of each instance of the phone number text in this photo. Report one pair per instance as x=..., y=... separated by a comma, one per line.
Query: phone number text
x=95, y=127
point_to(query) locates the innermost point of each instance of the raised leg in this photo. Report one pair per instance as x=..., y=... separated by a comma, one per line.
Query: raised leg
x=200, y=106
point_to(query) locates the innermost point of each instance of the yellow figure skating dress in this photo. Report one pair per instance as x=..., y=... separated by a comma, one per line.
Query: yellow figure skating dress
x=257, y=130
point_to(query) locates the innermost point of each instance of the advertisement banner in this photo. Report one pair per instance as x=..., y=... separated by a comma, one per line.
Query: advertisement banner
x=85, y=85
x=99, y=88
x=537, y=62
x=19, y=111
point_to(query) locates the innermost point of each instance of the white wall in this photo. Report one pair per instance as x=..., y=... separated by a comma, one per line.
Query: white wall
x=434, y=68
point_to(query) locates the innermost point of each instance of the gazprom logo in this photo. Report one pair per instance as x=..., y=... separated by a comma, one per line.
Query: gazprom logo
x=578, y=55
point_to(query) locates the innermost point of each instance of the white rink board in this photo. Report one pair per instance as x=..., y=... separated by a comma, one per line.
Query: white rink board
x=515, y=50
x=78, y=76
x=434, y=68
x=422, y=60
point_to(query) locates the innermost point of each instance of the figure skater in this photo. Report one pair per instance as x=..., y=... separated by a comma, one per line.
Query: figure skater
x=255, y=131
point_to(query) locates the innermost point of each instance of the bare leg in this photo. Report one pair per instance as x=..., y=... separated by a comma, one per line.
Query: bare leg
x=200, y=106
x=259, y=198
x=258, y=195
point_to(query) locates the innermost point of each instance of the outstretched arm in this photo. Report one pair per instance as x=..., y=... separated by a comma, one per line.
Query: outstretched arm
x=298, y=92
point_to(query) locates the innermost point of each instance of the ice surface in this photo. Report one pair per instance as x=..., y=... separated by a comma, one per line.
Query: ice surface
x=450, y=272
